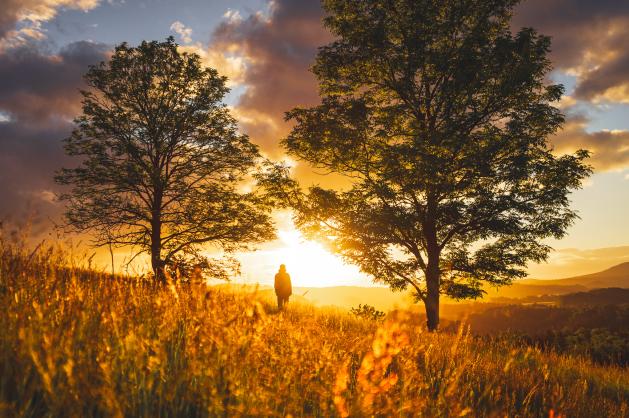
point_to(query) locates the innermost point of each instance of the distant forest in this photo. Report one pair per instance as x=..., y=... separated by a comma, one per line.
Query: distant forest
x=594, y=324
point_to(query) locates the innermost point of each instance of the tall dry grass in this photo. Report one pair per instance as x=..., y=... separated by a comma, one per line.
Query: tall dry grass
x=77, y=343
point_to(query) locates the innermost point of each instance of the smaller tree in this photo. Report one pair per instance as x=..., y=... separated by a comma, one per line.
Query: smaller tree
x=162, y=161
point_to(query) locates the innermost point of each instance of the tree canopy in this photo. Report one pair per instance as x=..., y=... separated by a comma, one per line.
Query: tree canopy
x=439, y=116
x=162, y=162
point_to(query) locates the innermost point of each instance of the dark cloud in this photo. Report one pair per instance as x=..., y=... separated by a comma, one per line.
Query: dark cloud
x=29, y=158
x=609, y=81
x=590, y=39
x=279, y=49
x=36, y=86
x=39, y=93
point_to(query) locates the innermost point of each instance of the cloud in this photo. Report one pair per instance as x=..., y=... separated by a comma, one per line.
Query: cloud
x=277, y=49
x=39, y=97
x=269, y=53
x=590, y=40
x=37, y=86
x=21, y=20
x=184, y=32
x=231, y=66
x=610, y=149
x=29, y=157
x=608, y=82
x=232, y=16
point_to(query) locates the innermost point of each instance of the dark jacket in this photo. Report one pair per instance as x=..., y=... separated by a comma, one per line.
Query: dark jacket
x=283, y=286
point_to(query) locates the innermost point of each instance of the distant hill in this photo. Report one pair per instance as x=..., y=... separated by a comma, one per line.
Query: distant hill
x=617, y=276
x=596, y=297
x=520, y=290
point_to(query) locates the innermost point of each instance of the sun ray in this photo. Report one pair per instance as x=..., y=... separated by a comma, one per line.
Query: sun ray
x=308, y=262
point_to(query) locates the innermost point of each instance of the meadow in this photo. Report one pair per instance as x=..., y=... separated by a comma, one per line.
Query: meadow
x=79, y=343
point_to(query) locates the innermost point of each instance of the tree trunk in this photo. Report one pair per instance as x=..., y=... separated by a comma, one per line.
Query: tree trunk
x=156, y=261
x=433, y=272
x=156, y=224
x=157, y=264
x=432, y=298
x=156, y=247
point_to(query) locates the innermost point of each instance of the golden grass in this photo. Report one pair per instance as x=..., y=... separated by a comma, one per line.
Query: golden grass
x=76, y=343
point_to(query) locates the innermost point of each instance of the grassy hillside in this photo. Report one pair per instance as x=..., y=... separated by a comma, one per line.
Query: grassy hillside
x=77, y=343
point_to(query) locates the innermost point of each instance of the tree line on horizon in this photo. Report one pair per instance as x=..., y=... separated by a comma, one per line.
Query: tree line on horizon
x=437, y=114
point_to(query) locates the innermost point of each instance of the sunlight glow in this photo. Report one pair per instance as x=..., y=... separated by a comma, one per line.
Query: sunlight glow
x=308, y=263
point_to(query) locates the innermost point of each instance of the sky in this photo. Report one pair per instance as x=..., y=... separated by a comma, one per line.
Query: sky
x=265, y=48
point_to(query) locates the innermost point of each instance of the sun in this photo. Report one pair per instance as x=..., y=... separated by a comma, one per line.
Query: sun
x=308, y=263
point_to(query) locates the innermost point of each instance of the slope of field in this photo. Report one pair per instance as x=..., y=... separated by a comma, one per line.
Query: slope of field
x=80, y=344
x=343, y=297
x=351, y=296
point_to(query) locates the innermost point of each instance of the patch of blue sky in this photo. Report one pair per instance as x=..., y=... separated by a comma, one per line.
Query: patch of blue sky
x=231, y=99
x=569, y=81
x=117, y=21
x=608, y=116
x=601, y=116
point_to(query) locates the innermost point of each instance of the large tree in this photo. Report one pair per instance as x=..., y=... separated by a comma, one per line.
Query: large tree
x=162, y=162
x=439, y=117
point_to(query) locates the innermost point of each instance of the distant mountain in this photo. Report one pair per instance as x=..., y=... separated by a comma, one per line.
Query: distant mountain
x=617, y=276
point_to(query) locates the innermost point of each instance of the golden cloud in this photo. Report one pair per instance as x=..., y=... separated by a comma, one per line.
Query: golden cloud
x=610, y=149
x=31, y=14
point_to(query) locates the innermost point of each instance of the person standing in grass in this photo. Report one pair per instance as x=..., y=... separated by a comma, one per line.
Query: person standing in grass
x=283, y=286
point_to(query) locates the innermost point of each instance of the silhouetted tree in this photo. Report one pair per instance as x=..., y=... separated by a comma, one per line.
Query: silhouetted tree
x=162, y=160
x=438, y=116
